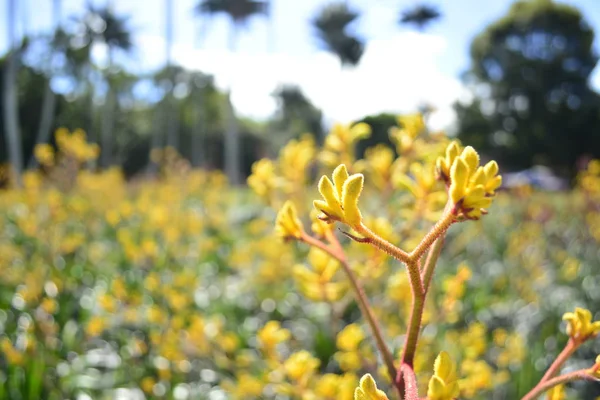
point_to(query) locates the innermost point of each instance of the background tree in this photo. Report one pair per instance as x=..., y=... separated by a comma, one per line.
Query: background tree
x=9, y=95
x=295, y=116
x=106, y=27
x=239, y=12
x=49, y=102
x=530, y=78
x=332, y=25
x=380, y=132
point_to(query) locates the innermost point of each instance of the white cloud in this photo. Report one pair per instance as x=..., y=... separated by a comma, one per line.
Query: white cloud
x=395, y=75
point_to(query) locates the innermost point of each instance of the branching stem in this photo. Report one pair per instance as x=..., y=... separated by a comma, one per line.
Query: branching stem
x=335, y=250
x=411, y=387
x=543, y=387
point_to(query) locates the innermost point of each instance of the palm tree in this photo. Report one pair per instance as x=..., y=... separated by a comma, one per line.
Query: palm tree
x=295, y=116
x=199, y=83
x=331, y=25
x=49, y=100
x=11, y=112
x=169, y=101
x=101, y=25
x=239, y=12
x=420, y=16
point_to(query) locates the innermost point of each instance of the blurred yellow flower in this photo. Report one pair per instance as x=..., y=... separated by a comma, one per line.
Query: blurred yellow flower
x=580, y=326
x=301, y=365
x=472, y=187
x=367, y=390
x=443, y=385
x=288, y=225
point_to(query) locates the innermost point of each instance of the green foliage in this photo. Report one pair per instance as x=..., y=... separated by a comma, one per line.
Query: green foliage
x=295, y=116
x=380, y=127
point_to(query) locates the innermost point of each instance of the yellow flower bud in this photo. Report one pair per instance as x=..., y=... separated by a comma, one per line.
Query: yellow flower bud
x=595, y=370
x=341, y=197
x=367, y=390
x=360, y=131
x=580, y=326
x=460, y=177
x=471, y=186
x=340, y=175
x=320, y=228
x=350, y=193
x=443, y=385
x=443, y=164
x=288, y=225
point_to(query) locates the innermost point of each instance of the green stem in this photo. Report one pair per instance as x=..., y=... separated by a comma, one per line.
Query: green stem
x=543, y=387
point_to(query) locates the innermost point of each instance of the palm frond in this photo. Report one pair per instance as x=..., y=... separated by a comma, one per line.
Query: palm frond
x=238, y=10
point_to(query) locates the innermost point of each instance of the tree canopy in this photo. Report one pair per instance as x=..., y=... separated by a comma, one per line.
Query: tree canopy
x=529, y=76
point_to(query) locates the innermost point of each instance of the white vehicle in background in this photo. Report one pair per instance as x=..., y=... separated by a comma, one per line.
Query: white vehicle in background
x=539, y=177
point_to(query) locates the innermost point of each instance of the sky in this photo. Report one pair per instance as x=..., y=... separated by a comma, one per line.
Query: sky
x=399, y=70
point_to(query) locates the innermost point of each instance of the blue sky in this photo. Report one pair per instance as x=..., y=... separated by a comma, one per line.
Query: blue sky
x=400, y=67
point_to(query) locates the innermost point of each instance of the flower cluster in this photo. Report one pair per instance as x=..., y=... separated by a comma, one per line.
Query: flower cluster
x=471, y=186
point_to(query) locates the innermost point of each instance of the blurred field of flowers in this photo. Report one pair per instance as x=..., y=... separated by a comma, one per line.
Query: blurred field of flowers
x=178, y=287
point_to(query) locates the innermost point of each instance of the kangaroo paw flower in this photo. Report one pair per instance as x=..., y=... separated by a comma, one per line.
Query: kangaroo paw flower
x=367, y=390
x=443, y=385
x=340, y=197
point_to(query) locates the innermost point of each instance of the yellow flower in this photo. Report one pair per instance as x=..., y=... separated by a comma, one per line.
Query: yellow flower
x=317, y=284
x=341, y=197
x=443, y=384
x=348, y=360
x=580, y=326
x=443, y=164
x=263, y=179
x=271, y=335
x=350, y=337
x=472, y=186
x=300, y=365
x=557, y=393
x=295, y=158
x=247, y=386
x=320, y=228
x=147, y=384
x=367, y=390
x=339, y=144
x=413, y=124
x=595, y=370
x=327, y=386
x=288, y=225
x=44, y=153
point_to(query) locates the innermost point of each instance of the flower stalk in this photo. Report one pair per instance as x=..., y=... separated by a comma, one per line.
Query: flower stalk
x=544, y=386
x=564, y=355
x=335, y=250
